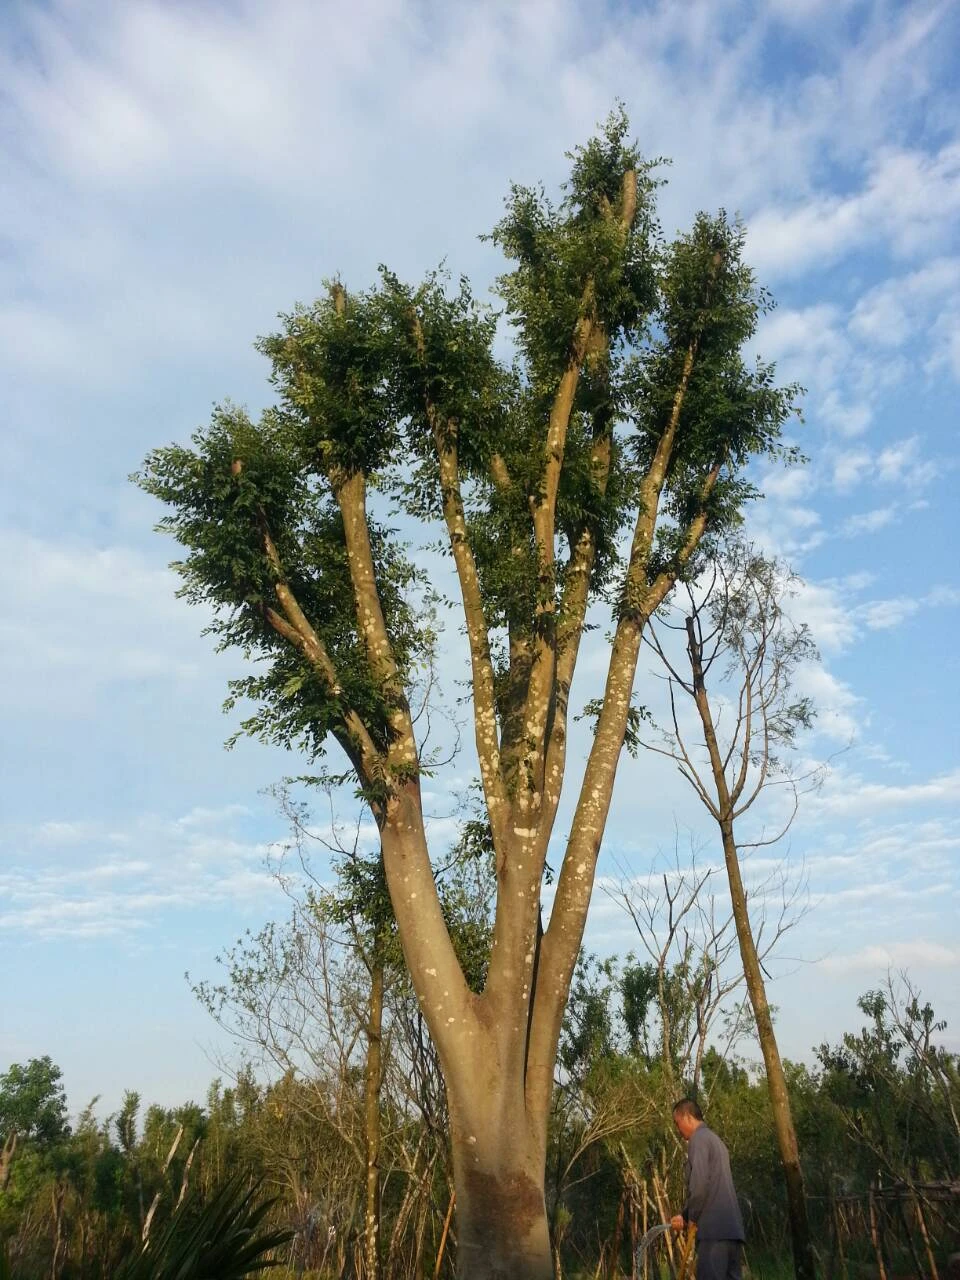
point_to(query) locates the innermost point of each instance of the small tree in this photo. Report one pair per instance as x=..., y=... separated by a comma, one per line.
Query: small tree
x=895, y=1089
x=628, y=412
x=737, y=630
x=686, y=985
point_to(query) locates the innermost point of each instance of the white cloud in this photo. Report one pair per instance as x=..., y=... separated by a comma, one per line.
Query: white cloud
x=945, y=353
x=868, y=521
x=899, y=460
x=880, y=615
x=918, y=953
x=96, y=879
x=786, y=484
x=909, y=202
x=904, y=308
x=841, y=713
x=943, y=596
x=80, y=618
x=822, y=608
x=900, y=463
x=849, y=795
x=849, y=468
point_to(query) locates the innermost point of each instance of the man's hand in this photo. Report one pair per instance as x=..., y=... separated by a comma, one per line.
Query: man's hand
x=677, y=1222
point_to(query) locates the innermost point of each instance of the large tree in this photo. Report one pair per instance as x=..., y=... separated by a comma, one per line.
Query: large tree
x=590, y=470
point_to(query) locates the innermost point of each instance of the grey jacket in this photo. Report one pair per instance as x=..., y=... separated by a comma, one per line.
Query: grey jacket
x=711, y=1198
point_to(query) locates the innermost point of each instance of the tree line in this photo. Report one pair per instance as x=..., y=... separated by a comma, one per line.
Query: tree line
x=876, y=1115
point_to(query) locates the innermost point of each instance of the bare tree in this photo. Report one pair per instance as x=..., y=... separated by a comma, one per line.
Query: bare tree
x=304, y=1000
x=690, y=980
x=739, y=635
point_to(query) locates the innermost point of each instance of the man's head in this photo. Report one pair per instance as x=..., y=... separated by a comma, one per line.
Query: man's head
x=688, y=1117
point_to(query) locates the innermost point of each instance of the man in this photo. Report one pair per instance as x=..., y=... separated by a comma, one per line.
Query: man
x=711, y=1198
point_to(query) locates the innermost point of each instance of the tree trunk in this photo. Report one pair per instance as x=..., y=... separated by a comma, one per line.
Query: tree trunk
x=6, y=1158
x=498, y=1104
x=372, y=1119
x=502, y=1229
x=804, y=1261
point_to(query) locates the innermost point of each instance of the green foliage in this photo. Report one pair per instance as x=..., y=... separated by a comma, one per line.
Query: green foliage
x=126, y=1121
x=328, y=369
x=709, y=308
x=223, y=1239
x=33, y=1103
x=638, y=986
x=637, y=717
x=588, y=1022
x=879, y=1101
x=373, y=387
x=578, y=248
x=894, y=1091
x=240, y=480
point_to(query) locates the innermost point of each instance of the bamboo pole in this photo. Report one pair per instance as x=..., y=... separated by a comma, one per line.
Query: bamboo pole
x=645, y=1202
x=664, y=1212
x=443, y=1236
x=839, y=1223
x=686, y=1253
x=925, y=1235
x=902, y=1214
x=875, y=1236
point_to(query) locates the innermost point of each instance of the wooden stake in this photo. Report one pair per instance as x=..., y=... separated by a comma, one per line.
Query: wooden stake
x=910, y=1244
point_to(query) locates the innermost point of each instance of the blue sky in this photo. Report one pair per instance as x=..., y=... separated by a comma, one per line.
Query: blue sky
x=176, y=174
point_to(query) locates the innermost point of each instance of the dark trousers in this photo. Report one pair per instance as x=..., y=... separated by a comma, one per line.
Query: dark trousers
x=718, y=1259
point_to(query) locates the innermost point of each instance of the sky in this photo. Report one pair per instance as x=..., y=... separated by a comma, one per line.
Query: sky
x=175, y=175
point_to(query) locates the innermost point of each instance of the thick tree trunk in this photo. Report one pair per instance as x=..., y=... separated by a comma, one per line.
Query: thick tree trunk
x=502, y=1229
x=498, y=1120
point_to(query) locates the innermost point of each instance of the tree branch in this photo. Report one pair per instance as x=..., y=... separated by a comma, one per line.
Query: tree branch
x=588, y=338
x=350, y=494
x=294, y=627
x=484, y=699
x=561, y=942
